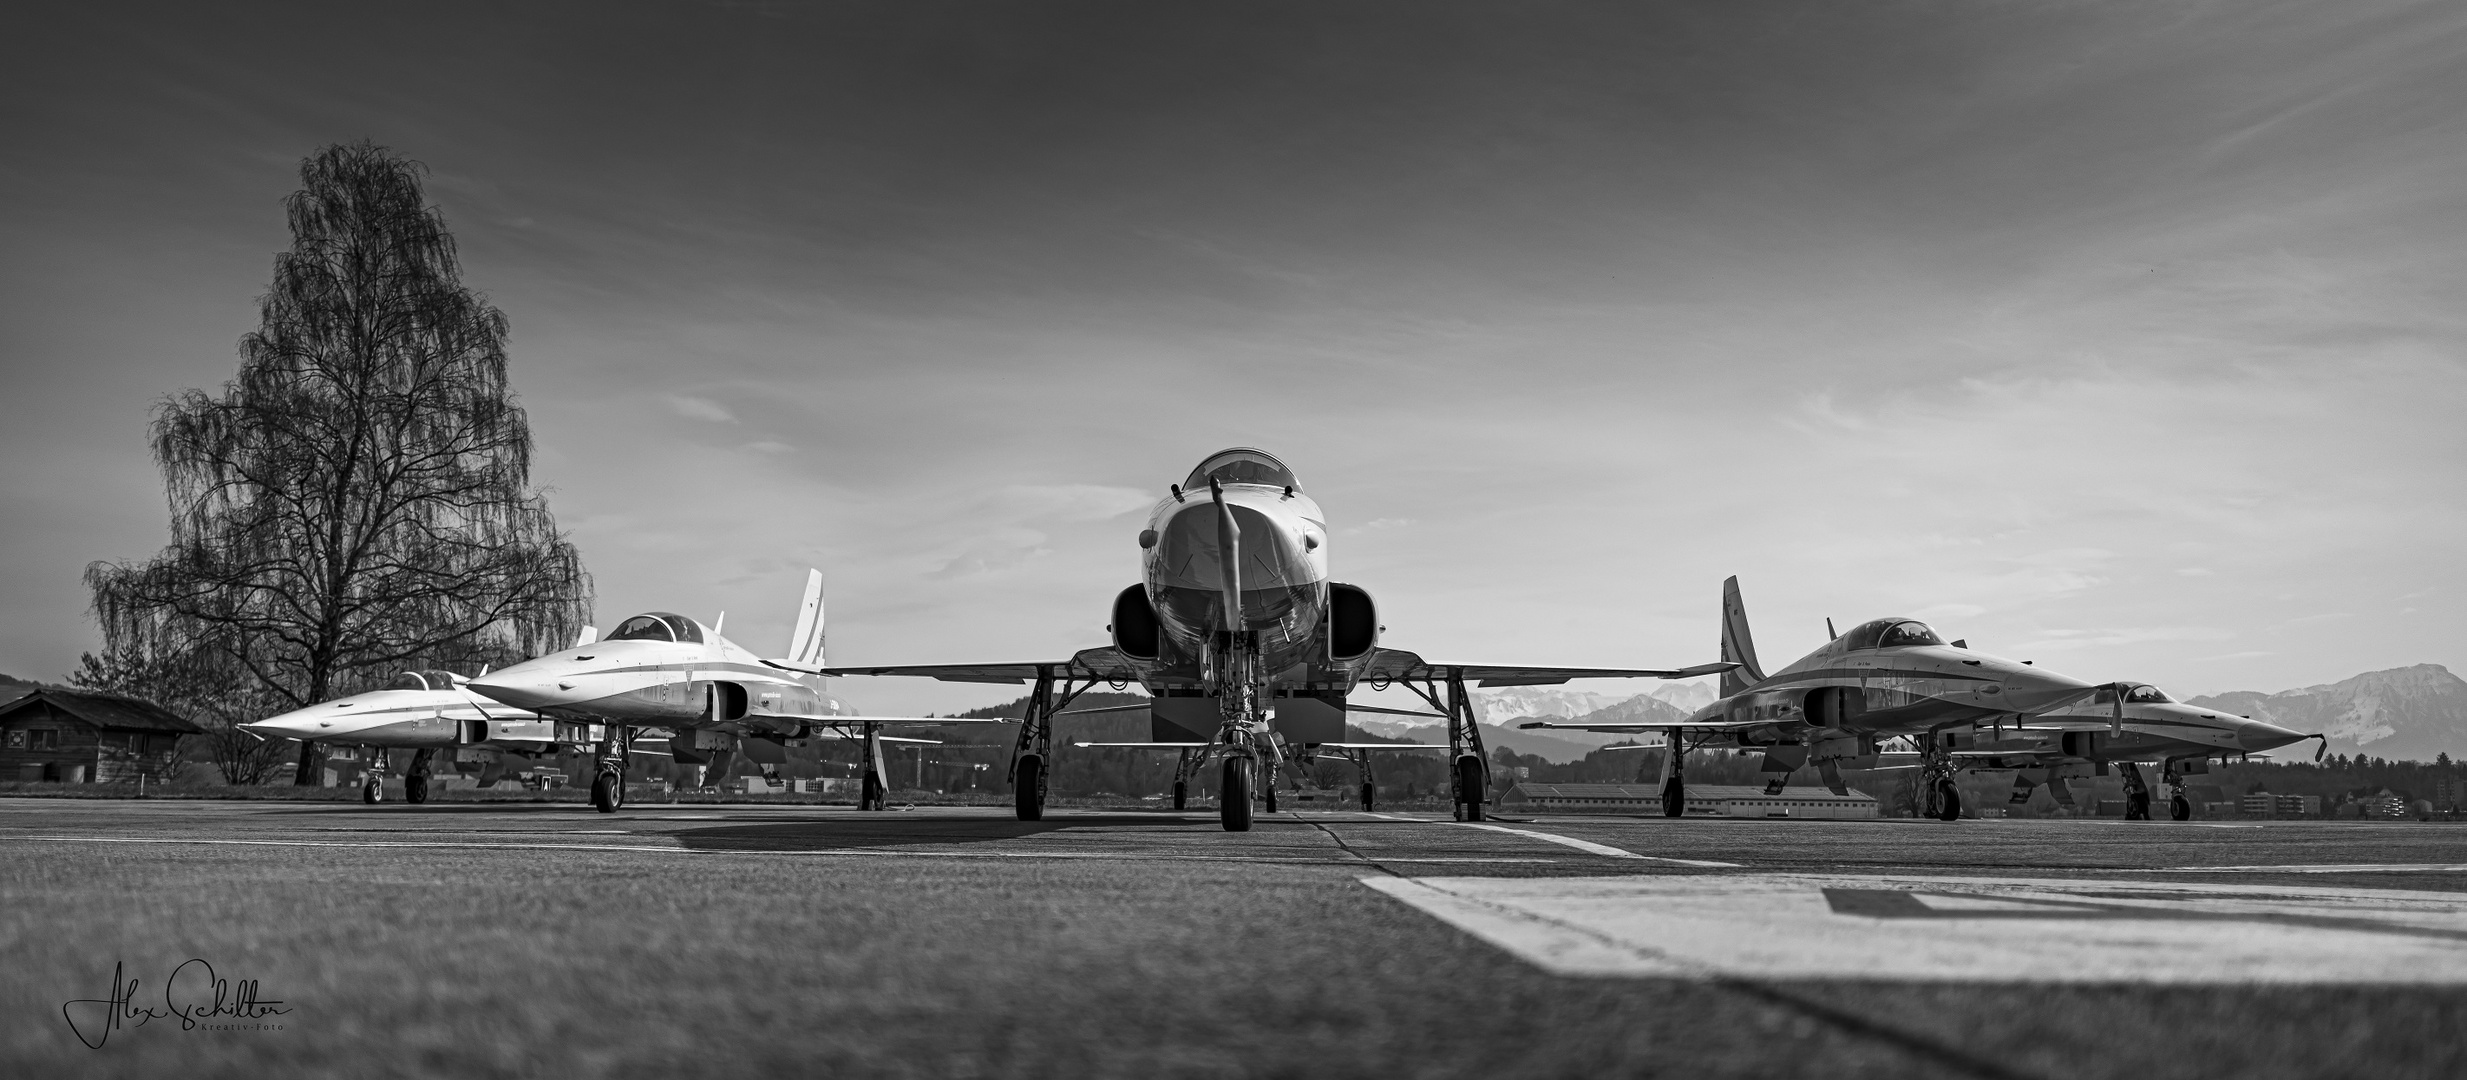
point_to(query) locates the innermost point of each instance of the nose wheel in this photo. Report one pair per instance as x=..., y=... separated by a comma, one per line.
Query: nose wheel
x=372, y=791
x=1234, y=796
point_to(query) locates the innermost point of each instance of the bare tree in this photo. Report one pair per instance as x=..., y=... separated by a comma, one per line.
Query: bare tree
x=358, y=499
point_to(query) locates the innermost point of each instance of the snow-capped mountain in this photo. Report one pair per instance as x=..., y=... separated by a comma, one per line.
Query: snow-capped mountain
x=2404, y=714
x=1534, y=703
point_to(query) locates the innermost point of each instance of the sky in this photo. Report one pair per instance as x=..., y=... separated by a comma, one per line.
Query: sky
x=2125, y=338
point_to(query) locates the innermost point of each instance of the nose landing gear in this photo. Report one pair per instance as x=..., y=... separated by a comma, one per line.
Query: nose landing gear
x=608, y=779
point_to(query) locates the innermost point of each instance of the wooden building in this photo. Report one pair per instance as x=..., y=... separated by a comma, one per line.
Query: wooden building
x=77, y=737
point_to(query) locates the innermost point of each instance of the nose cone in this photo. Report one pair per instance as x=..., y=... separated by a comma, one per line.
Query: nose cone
x=2030, y=689
x=2254, y=735
x=296, y=724
x=523, y=686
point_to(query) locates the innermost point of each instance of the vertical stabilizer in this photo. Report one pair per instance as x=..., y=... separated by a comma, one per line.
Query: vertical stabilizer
x=805, y=643
x=1737, y=646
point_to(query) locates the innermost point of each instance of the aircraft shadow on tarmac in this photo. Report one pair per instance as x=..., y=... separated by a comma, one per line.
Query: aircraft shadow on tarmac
x=883, y=833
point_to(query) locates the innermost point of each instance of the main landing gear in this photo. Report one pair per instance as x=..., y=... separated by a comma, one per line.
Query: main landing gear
x=2136, y=792
x=1032, y=757
x=415, y=782
x=1673, y=778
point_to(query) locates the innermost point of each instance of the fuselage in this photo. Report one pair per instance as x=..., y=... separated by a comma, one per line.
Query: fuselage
x=1889, y=677
x=1281, y=570
x=2148, y=727
x=663, y=670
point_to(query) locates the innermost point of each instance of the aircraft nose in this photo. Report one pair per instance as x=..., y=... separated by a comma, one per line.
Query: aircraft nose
x=2256, y=735
x=519, y=688
x=296, y=724
x=2033, y=690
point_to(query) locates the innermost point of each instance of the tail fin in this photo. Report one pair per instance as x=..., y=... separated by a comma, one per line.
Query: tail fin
x=805, y=644
x=1737, y=646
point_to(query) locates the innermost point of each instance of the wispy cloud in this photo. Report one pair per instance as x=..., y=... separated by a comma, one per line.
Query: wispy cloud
x=696, y=408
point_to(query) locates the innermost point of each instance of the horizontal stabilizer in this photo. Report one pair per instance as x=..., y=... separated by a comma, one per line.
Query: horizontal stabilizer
x=836, y=721
x=1352, y=708
x=1148, y=745
x=1384, y=746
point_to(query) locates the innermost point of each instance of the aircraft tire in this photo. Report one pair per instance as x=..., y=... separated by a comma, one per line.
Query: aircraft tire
x=1674, y=798
x=1028, y=789
x=605, y=792
x=1234, y=796
x=415, y=789
x=1368, y=792
x=372, y=791
x=1948, y=801
x=1182, y=795
x=2137, y=806
x=1470, y=787
x=2179, y=809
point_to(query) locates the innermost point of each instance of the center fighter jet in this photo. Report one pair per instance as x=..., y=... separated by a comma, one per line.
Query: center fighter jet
x=713, y=696
x=1246, y=646
x=1885, y=679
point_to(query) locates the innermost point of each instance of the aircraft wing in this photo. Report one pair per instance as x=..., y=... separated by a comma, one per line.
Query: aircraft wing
x=909, y=720
x=1397, y=665
x=1104, y=662
x=1385, y=746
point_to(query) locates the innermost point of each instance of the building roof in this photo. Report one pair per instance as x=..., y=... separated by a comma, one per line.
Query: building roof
x=110, y=712
x=1695, y=793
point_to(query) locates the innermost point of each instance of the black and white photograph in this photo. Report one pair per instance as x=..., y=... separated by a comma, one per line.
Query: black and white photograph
x=1347, y=538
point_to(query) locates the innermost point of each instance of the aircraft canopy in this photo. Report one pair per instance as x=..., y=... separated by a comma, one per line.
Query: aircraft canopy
x=1890, y=634
x=1241, y=465
x=422, y=680
x=656, y=626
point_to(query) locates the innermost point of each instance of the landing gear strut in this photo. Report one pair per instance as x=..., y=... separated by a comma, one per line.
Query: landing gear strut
x=1469, y=778
x=415, y=782
x=1942, y=797
x=870, y=793
x=1674, y=773
x=2136, y=792
x=1186, y=766
x=2178, y=807
x=608, y=779
x=1032, y=756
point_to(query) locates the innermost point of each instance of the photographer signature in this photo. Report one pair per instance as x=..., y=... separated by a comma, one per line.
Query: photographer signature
x=193, y=993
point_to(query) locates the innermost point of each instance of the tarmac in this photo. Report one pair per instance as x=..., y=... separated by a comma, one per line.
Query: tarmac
x=519, y=939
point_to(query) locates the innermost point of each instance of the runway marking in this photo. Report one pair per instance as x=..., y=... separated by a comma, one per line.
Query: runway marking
x=2322, y=868
x=1955, y=929
x=1598, y=849
x=1128, y=856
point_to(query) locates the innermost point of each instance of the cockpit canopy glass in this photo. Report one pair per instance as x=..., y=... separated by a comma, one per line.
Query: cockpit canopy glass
x=1241, y=465
x=2147, y=694
x=656, y=626
x=422, y=680
x=1889, y=634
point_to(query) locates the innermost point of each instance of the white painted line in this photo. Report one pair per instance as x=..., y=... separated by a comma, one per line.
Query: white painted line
x=1598, y=849
x=682, y=850
x=2322, y=868
x=1992, y=930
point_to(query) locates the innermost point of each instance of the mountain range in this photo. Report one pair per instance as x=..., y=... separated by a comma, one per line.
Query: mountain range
x=2403, y=714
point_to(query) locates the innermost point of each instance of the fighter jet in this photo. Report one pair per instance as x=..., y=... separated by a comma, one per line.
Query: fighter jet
x=2123, y=725
x=713, y=698
x=1884, y=679
x=1247, y=647
x=430, y=712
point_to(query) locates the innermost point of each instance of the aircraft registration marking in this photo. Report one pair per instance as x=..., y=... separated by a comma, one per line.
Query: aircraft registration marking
x=1954, y=929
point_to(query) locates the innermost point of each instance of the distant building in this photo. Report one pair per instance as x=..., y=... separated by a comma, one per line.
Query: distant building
x=2382, y=804
x=2259, y=803
x=75, y=737
x=2299, y=806
x=1703, y=800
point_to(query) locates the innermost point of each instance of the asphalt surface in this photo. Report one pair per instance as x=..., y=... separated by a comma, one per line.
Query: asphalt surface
x=528, y=939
